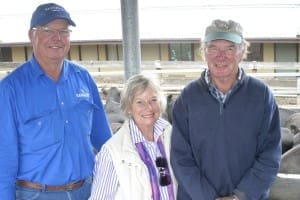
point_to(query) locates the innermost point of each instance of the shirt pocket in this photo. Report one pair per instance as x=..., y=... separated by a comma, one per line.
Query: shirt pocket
x=81, y=114
x=84, y=107
x=39, y=131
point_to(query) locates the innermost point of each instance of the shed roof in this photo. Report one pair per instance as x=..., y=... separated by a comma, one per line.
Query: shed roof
x=165, y=22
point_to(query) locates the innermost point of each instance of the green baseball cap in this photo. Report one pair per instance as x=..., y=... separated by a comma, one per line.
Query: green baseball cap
x=224, y=30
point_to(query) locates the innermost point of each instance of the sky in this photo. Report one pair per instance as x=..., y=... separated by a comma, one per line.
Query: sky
x=27, y=6
x=154, y=15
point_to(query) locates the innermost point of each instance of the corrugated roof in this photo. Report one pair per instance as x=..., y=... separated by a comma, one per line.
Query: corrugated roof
x=168, y=22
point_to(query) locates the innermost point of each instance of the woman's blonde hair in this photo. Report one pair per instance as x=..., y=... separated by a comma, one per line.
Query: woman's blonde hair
x=137, y=84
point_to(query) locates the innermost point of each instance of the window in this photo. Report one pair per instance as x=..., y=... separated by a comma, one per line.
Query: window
x=255, y=52
x=181, y=52
x=5, y=54
x=114, y=52
x=286, y=53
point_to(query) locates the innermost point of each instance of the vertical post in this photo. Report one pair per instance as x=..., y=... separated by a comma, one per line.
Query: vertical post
x=131, y=40
x=298, y=90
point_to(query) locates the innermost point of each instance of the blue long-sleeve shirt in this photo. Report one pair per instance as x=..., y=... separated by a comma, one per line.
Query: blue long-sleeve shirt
x=49, y=129
x=221, y=148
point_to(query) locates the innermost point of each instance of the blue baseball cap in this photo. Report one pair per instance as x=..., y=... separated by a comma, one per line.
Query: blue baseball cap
x=224, y=30
x=45, y=13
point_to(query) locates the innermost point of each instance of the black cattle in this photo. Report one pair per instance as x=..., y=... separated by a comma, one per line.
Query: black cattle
x=169, y=109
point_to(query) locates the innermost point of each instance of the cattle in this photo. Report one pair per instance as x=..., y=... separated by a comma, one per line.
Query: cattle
x=290, y=161
x=285, y=187
x=293, y=123
x=112, y=108
x=290, y=124
x=287, y=139
x=297, y=139
x=284, y=114
x=287, y=182
x=169, y=109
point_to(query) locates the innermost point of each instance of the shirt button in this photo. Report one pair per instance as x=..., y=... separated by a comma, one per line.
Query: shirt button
x=62, y=103
x=67, y=121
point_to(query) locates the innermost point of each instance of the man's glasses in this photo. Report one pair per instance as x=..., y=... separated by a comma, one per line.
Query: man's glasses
x=49, y=32
x=164, y=177
x=228, y=51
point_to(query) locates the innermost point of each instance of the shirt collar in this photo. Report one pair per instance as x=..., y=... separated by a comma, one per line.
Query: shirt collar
x=217, y=93
x=137, y=136
x=38, y=71
x=35, y=67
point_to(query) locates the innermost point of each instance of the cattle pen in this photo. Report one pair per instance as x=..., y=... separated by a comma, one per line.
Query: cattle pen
x=282, y=78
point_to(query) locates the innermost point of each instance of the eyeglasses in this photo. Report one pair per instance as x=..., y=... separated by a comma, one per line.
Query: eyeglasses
x=229, y=51
x=49, y=32
x=164, y=177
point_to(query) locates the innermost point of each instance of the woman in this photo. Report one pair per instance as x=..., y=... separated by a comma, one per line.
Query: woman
x=134, y=163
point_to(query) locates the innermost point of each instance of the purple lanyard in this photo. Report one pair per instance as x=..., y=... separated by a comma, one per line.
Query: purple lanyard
x=147, y=160
x=153, y=177
x=170, y=186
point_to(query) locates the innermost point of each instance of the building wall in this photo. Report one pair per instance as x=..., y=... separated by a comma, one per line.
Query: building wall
x=197, y=53
x=298, y=52
x=74, y=52
x=29, y=51
x=268, y=52
x=102, y=52
x=150, y=52
x=164, y=52
x=18, y=54
x=89, y=52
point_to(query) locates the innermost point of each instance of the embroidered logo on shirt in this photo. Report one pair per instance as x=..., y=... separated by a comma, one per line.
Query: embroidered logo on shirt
x=82, y=94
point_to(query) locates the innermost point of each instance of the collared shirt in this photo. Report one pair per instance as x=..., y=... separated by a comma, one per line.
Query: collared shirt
x=215, y=91
x=48, y=129
x=107, y=186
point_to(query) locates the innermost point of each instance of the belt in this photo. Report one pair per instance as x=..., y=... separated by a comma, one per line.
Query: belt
x=69, y=186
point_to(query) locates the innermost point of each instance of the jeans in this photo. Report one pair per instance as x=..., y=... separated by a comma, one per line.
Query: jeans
x=81, y=193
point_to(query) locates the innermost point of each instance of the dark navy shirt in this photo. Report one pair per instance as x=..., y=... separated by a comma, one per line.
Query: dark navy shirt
x=49, y=129
x=236, y=151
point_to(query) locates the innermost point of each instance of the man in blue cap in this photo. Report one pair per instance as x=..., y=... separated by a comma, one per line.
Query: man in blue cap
x=52, y=118
x=226, y=132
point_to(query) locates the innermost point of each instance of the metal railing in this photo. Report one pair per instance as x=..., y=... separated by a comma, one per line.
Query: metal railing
x=283, y=78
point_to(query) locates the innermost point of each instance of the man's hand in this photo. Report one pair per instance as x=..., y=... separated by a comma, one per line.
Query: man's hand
x=234, y=197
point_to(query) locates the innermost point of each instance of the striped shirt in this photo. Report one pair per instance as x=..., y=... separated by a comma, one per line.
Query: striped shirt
x=105, y=178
